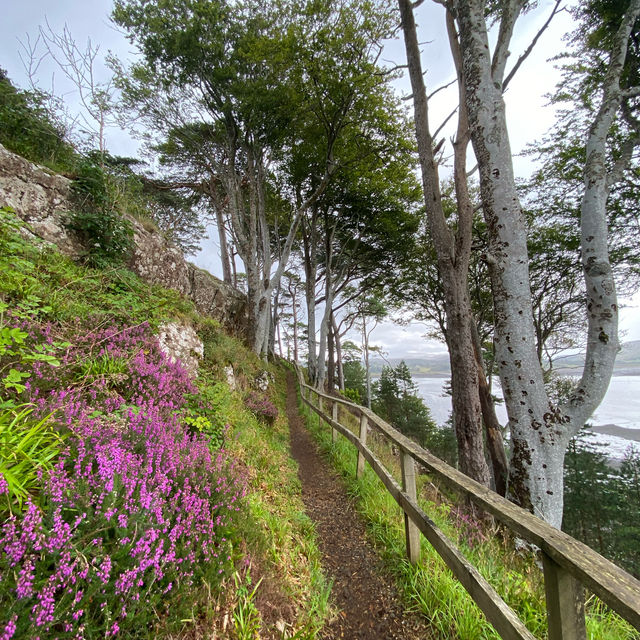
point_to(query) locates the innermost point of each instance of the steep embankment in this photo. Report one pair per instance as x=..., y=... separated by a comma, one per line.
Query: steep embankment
x=43, y=200
x=145, y=479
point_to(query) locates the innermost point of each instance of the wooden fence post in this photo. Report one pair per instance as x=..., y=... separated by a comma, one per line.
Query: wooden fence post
x=412, y=533
x=364, y=422
x=565, y=602
x=334, y=415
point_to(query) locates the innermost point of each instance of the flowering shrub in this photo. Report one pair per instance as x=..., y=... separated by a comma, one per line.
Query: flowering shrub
x=470, y=527
x=137, y=507
x=261, y=407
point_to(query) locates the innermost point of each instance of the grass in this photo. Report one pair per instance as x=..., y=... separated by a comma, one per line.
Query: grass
x=28, y=447
x=71, y=294
x=246, y=618
x=430, y=588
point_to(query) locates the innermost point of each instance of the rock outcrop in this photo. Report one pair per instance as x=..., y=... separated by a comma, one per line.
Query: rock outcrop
x=181, y=342
x=39, y=197
x=42, y=199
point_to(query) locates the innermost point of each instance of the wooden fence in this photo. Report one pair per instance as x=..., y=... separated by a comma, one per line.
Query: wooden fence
x=567, y=563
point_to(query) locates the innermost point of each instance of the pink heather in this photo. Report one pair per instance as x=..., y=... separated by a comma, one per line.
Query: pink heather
x=132, y=465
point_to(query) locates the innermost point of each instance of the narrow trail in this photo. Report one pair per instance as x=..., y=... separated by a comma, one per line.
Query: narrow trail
x=370, y=608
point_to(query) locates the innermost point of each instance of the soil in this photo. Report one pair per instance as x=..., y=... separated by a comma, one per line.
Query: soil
x=368, y=603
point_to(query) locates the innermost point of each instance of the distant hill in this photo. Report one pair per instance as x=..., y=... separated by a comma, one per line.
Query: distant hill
x=437, y=364
x=627, y=360
x=432, y=365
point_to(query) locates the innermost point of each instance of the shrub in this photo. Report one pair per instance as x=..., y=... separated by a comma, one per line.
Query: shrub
x=261, y=407
x=136, y=510
x=27, y=127
x=352, y=394
x=108, y=237
x=204, y=411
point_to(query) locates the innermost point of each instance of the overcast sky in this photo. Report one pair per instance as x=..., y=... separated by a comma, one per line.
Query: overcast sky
x=529, y=116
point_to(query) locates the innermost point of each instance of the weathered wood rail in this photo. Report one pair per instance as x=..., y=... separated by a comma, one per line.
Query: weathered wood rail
x=568, y=564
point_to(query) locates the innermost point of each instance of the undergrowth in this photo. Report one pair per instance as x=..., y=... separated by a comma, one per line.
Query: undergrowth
x=429, y=587
x=139, y=502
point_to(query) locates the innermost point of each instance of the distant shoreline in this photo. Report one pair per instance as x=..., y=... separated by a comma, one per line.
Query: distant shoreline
x=615, y=430
x=617, y=373
x=567, y=371
x=609, y=429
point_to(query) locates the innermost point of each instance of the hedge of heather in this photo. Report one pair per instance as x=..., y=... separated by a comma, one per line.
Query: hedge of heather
x=261, y=407
x=136, y=511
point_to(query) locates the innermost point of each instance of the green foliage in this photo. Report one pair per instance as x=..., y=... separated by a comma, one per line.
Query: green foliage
x=596, y=502
x=28, y=129
x=206, y=411
x=352, y=394
x=17, y=352
x=105, y=186
x=355, y=381
x=96, y=220
x=443, y=444
x=273, y=527
x=246, y=619
x=396, y=399
x=28, y=447
x=32, y=274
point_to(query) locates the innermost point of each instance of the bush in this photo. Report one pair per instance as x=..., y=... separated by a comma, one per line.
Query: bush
x=261, y=407
x=136, y=511
x=107, y=236
x=353, y=395
x=27, y=128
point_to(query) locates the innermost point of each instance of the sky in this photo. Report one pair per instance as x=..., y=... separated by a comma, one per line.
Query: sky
x=528, y=113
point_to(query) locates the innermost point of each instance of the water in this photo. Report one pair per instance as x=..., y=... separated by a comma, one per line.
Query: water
x=620, y=407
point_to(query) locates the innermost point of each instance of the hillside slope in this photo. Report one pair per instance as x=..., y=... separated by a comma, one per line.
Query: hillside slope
x=139, y=498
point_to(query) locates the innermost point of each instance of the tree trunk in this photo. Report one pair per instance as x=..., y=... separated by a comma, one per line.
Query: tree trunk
x=537, y=442
x=251, y=231
x=367, y=369
x=331, y=363
x=453, y=255
x=224, y=249
x=336, y=334
x=280, y=349
x=540, y=431
x=275, y=322
x=324, y=333
x=310, y=272
x=329, y=294
x=294, y=304
x=492, y=427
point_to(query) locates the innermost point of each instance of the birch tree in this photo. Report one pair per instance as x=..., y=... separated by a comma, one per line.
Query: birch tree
x=540, y=430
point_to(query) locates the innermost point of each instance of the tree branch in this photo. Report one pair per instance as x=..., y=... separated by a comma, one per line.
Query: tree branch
x=556, y=9
x=510, y=11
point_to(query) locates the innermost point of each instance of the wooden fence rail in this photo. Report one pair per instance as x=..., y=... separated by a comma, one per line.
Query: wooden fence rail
x=567, y=563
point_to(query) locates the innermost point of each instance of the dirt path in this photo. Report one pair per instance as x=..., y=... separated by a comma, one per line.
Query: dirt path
x=369, y=604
